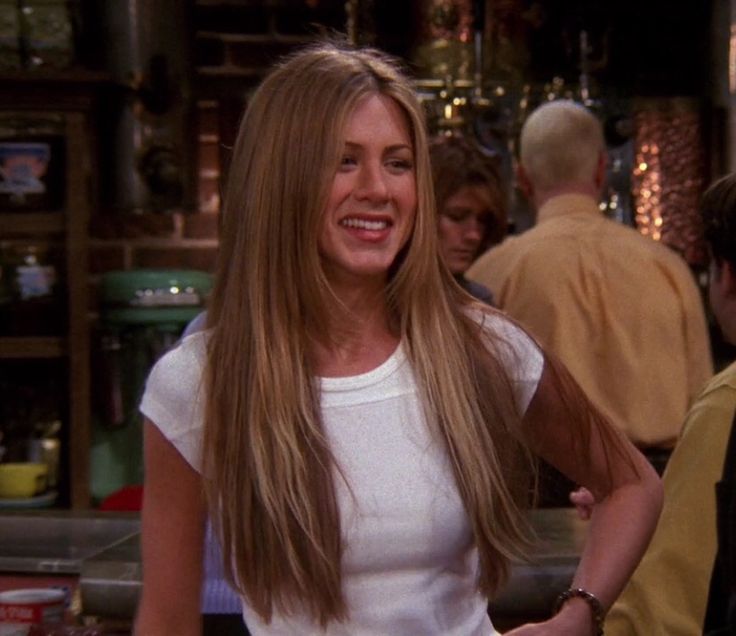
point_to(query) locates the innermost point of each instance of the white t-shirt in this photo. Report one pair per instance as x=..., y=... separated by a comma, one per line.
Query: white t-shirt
x=409, y=563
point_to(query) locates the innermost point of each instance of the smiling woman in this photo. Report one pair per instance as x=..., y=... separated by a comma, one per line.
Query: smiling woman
x=362, y=428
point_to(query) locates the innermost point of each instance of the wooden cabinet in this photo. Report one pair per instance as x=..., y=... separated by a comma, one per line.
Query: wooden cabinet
x=70, y=99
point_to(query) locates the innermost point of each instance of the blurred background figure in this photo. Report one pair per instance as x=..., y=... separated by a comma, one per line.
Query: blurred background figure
x=668, y=593
x=471, y=205
x=622, y=311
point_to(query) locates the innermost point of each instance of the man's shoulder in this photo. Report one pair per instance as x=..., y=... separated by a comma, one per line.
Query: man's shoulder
x=718, y=395
x=510, y=249
x=556, y=246
x=725, y=378
x=633, y=239
x=478, y=291
x=708, y=420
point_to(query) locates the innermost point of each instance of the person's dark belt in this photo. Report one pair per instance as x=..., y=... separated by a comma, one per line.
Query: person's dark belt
x=657, y=456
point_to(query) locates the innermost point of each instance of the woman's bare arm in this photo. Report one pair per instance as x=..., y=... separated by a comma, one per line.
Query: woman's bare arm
x=172, y=537
x=626, y=487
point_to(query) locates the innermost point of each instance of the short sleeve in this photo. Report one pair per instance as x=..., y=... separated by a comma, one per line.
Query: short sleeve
x=519, y=353
x=174, y=397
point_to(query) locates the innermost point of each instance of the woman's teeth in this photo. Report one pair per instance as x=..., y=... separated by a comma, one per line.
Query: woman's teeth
x=364, y=224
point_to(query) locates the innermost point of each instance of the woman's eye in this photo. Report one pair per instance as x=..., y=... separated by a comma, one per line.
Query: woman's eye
x=400, y=165
x=347, y=161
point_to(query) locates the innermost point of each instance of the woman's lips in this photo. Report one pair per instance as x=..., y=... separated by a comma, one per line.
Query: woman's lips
x=463, y=254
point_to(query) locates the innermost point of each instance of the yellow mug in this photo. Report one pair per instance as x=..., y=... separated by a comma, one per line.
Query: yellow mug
x=19, y=480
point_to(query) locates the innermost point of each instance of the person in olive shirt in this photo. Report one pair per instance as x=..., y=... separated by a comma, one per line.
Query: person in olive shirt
x=669, y=590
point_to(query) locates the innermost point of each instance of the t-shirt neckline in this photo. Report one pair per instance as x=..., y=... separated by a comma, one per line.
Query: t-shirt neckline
x=369, y=378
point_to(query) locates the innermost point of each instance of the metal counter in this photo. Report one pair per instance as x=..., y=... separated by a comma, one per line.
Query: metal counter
x=110, y=582
x=103, y=548
x=534, y=586
x=57, y=541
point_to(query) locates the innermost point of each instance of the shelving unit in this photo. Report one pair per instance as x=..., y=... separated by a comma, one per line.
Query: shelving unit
x=15, y=348
x=71, y=97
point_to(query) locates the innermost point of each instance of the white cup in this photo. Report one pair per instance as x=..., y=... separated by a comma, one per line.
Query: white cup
x=19, y=609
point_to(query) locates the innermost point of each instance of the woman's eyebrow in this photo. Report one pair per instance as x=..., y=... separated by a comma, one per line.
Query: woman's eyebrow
x=352, y=145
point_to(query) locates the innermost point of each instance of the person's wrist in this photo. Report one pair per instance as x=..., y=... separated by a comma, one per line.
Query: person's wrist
x=581, y=605
x=575, y=618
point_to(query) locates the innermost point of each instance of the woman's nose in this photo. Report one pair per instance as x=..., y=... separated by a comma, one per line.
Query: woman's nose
x=372, y=184
x=473, y=230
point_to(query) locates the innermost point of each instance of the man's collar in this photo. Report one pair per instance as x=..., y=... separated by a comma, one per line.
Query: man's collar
x=569, y=203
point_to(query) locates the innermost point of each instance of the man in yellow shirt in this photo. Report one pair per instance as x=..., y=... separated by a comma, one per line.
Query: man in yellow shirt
x=622, y=311
x=668, y=592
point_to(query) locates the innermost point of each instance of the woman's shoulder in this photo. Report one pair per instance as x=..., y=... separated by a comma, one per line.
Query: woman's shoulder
x=478, y=291
x=513, y=347
x=504, y=337
x=175, y=380
x=174, y=397
x=185, y=361
x=495, y=323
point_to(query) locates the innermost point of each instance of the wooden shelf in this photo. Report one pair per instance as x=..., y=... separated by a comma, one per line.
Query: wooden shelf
x=32, y=347
x=47, y=90
x=72, y=98
x=220, y=3
x=257, y=38
x=22, y=223
x=65, y=77
x=230, y=72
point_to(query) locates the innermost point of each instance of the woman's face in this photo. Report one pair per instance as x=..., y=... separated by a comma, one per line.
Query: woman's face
x=463, y=222
x=372, y=202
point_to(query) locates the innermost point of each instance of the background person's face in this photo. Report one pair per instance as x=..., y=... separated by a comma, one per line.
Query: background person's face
x=463, y=222
x=372, y=202
x=721, y=298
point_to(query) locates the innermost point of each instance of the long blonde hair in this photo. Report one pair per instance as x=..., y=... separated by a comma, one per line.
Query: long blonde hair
x=268, y=467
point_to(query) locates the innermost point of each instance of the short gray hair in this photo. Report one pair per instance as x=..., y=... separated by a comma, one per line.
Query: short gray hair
x=560, y=143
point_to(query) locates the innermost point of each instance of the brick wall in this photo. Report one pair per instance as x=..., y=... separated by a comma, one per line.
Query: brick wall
x=234, y=43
